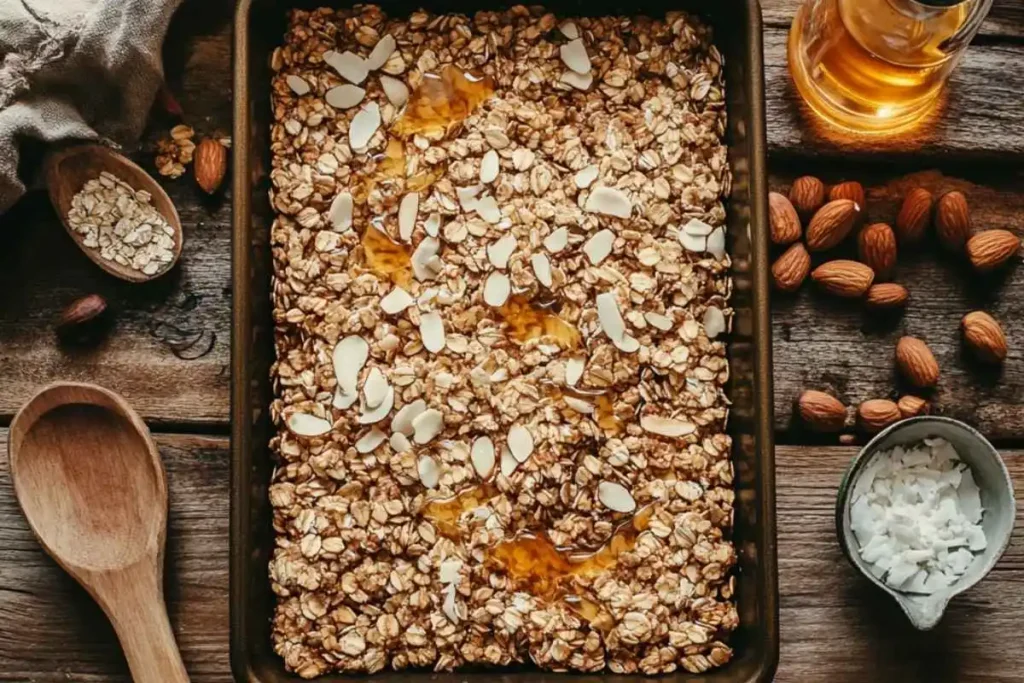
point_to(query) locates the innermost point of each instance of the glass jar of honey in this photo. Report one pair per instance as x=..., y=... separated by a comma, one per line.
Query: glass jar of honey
x=877, y=66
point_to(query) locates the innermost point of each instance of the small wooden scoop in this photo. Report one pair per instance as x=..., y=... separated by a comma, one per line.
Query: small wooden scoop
x=67, y=170
x=89, y=479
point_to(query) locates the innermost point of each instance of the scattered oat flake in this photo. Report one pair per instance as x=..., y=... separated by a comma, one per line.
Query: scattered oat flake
x=489, y=167
x=303, y=424
x=574, y=370
x=340, y=213
x=520, y=442
x=662, y=322
x=369, y=441
x=298, y=85
x=380, y=53
x=615, y=496
x=345, y=96
x=407, y=210
x=424, y=265
x=497, y=289
x=557, y=240
x=395, y=90
x=430, y=473
x=666, y=426
x=586, y=176
x=349, y=65
x=599, y=246
x=574, y=54
x=432, y=331
x=482, y=456
x=427, y=425
x=364, y=124
x=379, y=412
x=542, y=269
x=396, y=301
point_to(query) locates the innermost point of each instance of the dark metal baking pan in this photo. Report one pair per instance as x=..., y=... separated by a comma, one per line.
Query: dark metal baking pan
x=259, y=27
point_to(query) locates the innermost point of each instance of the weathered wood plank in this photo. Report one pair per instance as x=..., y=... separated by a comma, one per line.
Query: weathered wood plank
x=832, y=620
x=826, y=343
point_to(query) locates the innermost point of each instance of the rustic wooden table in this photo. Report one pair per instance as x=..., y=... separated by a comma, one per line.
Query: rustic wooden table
x=833, y=622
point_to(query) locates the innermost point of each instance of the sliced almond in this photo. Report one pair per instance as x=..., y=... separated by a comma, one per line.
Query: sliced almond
x=345, y=96
x=349, y=357
x=482, y=456
x=467, y=196
x=402, y=422
x=308, y=425
x=508, y=462
x=340, y=213
x=716, y=243
x=577, y=81
x=714, y=321
x=609, y=201
x=666, y=426
x=408, y=208
x=662, y=322
x=627, y=344
x=500, y=251
x=378, y=413
x=342, y=400
x=349, y=65
x=569, y=30
x=375, y=388
x=610, y=317
x=579, y=405
x=395, y=90
x=432, y=225
x=542, y=269
x=586, y=176
x=574, y=54
x=489, y=167
x=430, y=473
x=694, y=243
x=369, y=441
x=487, y=208
x=520, y=442
x=574, y=370
x=557, y=240
x=298, y=84
x=364, y=124
x=427, y=425
x=599, y=246
x=497, y=289
x=424, y=267
x=615, y=496
x=697, y=228
x=380, y=53
x=400, y=443
x=432, y=331
x=396, y=301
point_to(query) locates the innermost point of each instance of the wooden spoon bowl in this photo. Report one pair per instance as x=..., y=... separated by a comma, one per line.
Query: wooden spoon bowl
x=68, y=170
x=90, y=481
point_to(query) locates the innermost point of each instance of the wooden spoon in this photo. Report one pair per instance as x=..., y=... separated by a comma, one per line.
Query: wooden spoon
x=89, y=478
x=67, y=170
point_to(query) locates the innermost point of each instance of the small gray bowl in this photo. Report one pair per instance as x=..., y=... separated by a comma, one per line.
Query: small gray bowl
x=997, y=499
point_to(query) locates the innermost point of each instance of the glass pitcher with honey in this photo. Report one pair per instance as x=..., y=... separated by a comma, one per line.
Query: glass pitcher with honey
x=878, y=66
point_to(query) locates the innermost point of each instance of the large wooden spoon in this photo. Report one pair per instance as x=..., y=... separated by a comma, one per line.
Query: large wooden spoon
x=67, y=170
x=89, y=478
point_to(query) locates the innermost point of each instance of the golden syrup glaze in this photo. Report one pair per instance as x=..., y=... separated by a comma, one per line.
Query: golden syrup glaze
x=526, y=321
x=442, y=100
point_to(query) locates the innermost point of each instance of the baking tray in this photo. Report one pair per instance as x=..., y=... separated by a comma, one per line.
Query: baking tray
x=259, y=27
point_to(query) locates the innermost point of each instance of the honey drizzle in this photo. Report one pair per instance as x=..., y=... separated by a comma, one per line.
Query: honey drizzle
x=526, y=321
x=441, y=101
x=604, y=415
x=387, y=258
x=445, y=512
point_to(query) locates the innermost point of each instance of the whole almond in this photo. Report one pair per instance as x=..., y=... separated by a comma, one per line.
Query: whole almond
x=917, y=363
x=850, y=189
x=785, y=223
x=83, y=319
x=990, y=249
x=911, y=406
x=831, y=224
x=790, y=269
x=914, y=216
x=886, y=295
x=821, y=412
x=984, y=335
x=807, y=195
x=953, y=220
x=843, y=278
x=877, y=414
x=876, y=245
x=210, y=163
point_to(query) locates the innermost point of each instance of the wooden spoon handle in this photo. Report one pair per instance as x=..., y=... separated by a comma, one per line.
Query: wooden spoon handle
x=134, y=601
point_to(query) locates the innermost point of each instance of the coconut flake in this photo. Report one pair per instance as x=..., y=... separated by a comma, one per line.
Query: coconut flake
x=662, y=322
x=574, y=54
x=697, y=228
x=520, y=442
x=487, y=208
x=379, y=412
x=427, y=425
x=569, y=30
x=500, y=251
x=497, y=289
x=369, y=441
x=467, y=196
x=577, y=81
x=574, y=370
x=408, y=208
x=345, y=96
x=609, y=316
x=400, y=443
x=557, y=240
x=349, y=357
x=425, y=263
x=489, y=167
x=395, y=90
x=430, y=473
x=340, y=213
x=302, y=424
x=586, y=176
x=450, y=606
x=482, y=456
x=402, y=422
x=432, y=225
x=449, y=570
x=432, y=331
x=380, y=53
x=375, y=388
x=349, y=65
x=396, y=301
x=298, y=84
x=716, y=243
x=364, y=124
x=608, y=201
x=714, y=321
x=666, y=426
x=599, y=246
x=542, y=269
x=615, y=496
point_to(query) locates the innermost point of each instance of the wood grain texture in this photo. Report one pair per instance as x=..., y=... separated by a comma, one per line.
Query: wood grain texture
x=833, y=620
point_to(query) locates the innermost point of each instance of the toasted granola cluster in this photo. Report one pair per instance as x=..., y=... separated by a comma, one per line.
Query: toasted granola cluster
x=514, y=312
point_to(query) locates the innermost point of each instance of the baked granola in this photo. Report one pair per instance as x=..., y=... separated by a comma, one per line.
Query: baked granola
x=500, y=281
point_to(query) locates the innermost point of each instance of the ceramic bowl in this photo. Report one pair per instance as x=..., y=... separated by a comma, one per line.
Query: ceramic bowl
x=997, y=499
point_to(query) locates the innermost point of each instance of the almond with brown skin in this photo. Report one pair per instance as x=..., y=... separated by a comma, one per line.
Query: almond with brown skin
x=850, y=189
x=984, y=335
x=953, y=220
x=807, y=195
x=990, y=249
x=81, y=319
x=917, y=363
x=877, y=414
x=843, y=278
x=876, y=245
x=790, y=269
x=911, y=406
x=210, y=163
x=886, y=295
x=785, y=223
x=914, y=216
x=831, y=224
x=821, y=412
